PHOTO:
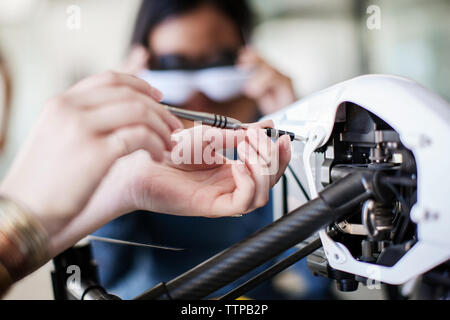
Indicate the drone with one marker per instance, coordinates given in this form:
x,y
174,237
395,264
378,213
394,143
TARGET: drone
x,y
377,211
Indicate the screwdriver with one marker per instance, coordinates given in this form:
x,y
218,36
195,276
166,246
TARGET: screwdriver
x,y
219,121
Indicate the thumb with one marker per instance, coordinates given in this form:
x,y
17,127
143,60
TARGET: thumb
x,y
242,196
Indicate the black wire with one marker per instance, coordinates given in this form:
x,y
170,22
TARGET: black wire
x,y
299,183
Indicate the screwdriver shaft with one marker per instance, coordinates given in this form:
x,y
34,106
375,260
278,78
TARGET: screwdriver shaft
x,y
223,122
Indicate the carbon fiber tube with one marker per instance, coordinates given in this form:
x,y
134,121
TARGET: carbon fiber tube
x,y
333,203
273,270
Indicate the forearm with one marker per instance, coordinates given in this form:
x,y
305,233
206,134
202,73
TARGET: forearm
x,y
113,198
26,244
107,204
78,138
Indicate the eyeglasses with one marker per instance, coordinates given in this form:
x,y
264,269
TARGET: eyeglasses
x,y
226,57
220,84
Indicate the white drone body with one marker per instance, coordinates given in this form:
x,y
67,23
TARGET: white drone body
x,y
422,120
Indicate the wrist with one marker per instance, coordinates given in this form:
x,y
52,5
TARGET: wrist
x,y
23,242
104,206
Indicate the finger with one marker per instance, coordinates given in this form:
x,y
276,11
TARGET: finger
x,y
219,139
116,79
173,122
130,139
202,137
224,139
104,95
240,201
242,197
232,138
125,95
191,153
284,150
268,151
259,172
262,124
262,144
116,116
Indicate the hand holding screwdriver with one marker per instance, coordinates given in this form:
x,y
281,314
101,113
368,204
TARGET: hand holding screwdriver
x,y
223,122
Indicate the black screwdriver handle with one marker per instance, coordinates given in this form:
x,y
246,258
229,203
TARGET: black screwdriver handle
x,y
274,133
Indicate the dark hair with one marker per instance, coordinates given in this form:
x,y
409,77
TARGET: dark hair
x,y
153,12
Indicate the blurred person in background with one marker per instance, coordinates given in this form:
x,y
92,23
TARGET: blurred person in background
x,y
196,52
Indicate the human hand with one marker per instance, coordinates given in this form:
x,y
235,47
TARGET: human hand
x,y
217,186
271,89
78,137
212,187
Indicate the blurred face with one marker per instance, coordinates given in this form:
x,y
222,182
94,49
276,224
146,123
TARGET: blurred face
x,y
200,38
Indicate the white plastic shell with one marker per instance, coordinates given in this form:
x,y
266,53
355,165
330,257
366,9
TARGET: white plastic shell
x,y
422,119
